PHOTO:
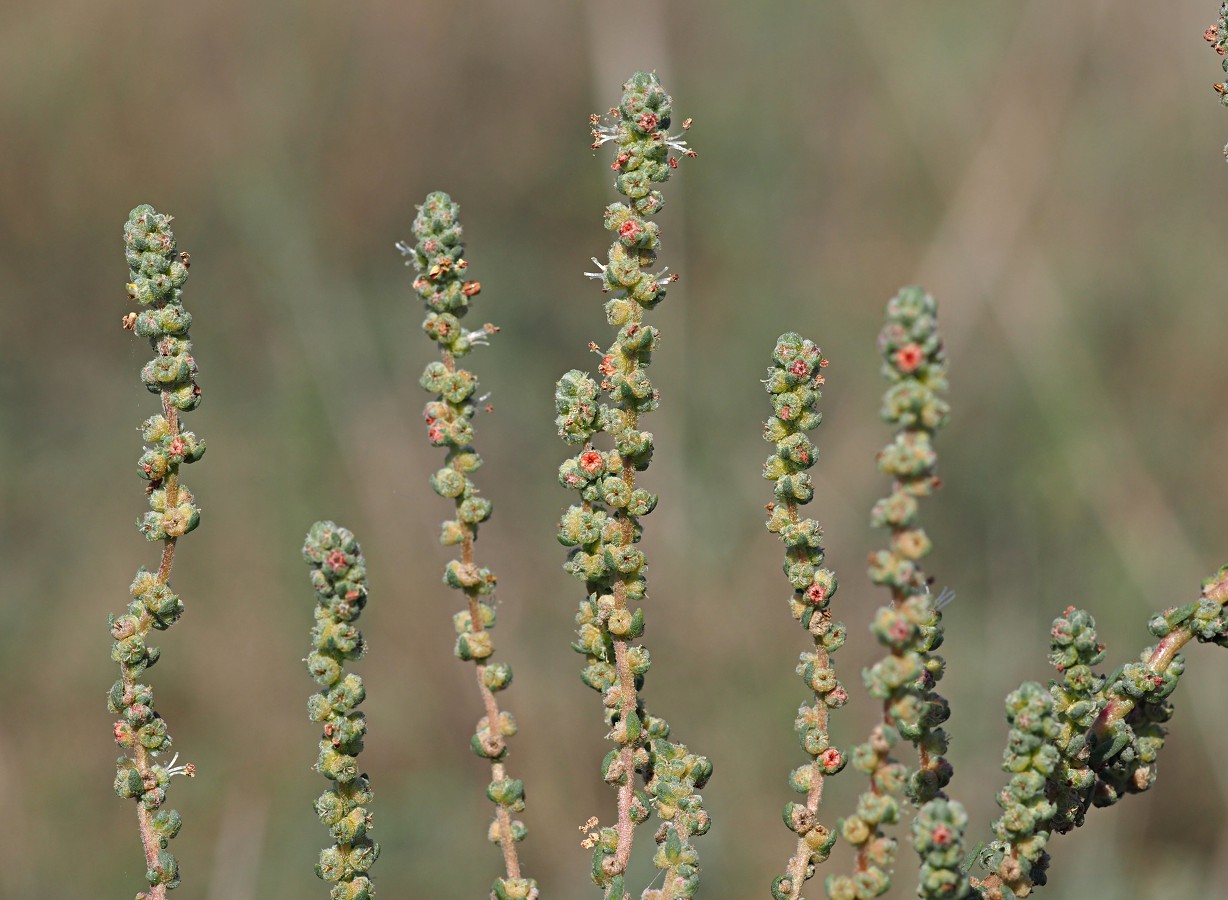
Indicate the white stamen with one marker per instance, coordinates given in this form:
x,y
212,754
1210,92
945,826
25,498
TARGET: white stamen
x,y
172,770
603,133
679,144
600,276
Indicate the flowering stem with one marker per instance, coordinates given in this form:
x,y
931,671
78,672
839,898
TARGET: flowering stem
x,y
1089,740
1159,661
441,266
157,275
793,383
604,527
339,578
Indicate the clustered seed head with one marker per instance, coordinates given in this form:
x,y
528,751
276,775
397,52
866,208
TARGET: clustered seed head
x,y
339,578
156,277
602,529
793,384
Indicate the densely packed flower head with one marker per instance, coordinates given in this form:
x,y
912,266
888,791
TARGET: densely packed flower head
x,y
157,272
793,384
442,285
339,578
603,528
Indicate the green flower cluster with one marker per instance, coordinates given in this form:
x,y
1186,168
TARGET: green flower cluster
x,y
1049,757
1018,857
938,837
914,364
1089,740
1128,732
339,578
793,383
603,528
439,259
1078,698
156,277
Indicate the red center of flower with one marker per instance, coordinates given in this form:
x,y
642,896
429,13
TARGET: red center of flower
x,y
435,433
831,757
629,229
647,121
336,560
177,446
815,594
799,368
908,357
590,462
941,836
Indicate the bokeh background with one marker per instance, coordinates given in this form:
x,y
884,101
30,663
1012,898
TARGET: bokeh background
x,y
1051,171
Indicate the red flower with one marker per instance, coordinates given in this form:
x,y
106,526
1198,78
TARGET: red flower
x,y
336,560
799,368
815,594
830,758
629,230
941,836
647,122
590,462
908,357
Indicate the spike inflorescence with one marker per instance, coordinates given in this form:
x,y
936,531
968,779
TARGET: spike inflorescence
x,y
602,530
439,260
339,577
157,273
793,383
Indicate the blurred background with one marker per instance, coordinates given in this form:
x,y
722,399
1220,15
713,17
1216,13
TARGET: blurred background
x,y
1051,172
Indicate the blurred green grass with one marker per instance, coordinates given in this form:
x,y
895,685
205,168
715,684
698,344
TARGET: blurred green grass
x,y
1052,173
